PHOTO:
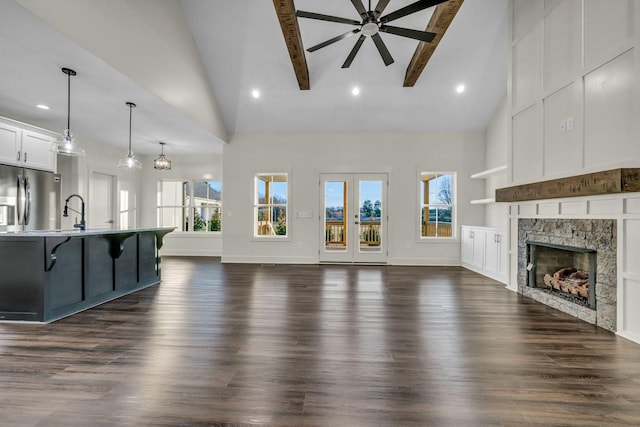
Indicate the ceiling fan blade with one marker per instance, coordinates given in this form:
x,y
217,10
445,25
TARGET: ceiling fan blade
x,y
353,52
424,36
321,17
333,40
360,8
382,48
380,7
408,10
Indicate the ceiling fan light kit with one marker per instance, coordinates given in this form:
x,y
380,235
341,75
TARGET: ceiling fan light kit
x,y
371,24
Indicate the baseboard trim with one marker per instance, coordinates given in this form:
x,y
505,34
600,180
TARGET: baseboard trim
x,y
190,252
427,262
631,336
243,259
500,279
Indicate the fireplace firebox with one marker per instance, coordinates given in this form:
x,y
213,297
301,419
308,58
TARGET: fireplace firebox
x,y
566,271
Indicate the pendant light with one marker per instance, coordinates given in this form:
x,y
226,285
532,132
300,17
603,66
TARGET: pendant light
x,y
66,145
162,163
130,162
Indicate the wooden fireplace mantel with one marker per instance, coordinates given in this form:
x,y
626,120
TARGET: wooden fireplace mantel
x,y
592,184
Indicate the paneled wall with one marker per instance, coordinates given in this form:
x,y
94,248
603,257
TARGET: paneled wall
x,y
573,93
573,99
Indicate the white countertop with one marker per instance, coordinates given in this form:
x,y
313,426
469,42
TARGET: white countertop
x,y
77,232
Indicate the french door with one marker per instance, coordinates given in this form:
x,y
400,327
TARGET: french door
x,y
354,219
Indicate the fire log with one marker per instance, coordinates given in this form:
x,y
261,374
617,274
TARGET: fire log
x,y
570,281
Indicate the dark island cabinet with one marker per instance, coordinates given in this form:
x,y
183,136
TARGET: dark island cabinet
x,y
48,275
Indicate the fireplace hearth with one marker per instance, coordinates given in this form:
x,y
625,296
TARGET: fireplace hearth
x,y
579,257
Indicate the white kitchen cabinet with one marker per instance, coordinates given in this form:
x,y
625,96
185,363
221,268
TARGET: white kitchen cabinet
x,y
10,140
36,151
23,147
483,250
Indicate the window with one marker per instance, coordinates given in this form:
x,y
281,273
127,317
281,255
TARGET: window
x,y
124,209
437,204
190,205
270,205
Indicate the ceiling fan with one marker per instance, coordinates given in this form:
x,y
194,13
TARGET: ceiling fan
x,y
371,24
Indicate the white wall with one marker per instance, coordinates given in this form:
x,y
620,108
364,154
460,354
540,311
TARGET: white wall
x,y
305,156
76,176
496,154
578,60
206,167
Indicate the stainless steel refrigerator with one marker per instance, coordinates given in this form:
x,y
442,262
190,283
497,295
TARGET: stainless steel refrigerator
x,y
29,199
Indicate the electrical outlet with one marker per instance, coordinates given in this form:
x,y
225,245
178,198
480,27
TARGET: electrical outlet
x,y
563,126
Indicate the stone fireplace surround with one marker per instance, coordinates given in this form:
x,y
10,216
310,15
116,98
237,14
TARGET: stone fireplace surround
x,y
597,234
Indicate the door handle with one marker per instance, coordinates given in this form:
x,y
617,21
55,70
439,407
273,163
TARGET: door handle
x,y
25,157
18,158
20,203
27,197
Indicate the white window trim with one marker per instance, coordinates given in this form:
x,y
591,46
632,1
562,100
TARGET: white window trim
x,y
191,198
254,206
454,209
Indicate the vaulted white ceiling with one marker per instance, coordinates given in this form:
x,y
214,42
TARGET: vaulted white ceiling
x,y
240,48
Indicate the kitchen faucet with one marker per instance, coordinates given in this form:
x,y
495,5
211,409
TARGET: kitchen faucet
x,y
65,213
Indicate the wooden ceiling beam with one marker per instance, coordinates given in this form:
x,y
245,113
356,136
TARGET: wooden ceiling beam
x,y
286,11
439,23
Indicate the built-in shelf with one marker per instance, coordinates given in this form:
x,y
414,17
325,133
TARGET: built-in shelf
x,y
483,201
489,172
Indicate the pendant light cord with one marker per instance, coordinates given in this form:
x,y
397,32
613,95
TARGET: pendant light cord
x,y
69,101
130,115
131,105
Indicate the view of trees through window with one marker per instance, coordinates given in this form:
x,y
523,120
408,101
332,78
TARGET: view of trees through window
x,y
437,204
190,205
271,205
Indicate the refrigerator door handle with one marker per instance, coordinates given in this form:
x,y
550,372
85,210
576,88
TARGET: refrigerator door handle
x,y
27,199
20,205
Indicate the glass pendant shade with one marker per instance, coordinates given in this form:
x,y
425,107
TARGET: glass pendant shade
x,y
162,163
130,162
66,145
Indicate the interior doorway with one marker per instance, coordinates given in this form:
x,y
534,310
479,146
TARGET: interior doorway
x,y
354,218
101,201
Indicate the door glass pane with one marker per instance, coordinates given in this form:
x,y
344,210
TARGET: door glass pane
x,y
370,201
335,229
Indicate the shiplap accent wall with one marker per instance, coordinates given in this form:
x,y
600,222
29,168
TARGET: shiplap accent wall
x,y
574,62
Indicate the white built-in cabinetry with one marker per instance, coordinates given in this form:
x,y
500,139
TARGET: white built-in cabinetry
x,y
502,169
484,250
24,147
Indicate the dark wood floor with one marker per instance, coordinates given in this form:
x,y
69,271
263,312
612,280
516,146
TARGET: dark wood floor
x,y
315,346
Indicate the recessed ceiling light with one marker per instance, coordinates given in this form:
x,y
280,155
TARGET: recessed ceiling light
x,y
255,93
460,88
355,91
43,107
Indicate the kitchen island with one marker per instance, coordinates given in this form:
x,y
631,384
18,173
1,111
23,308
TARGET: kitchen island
x,y
46,275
